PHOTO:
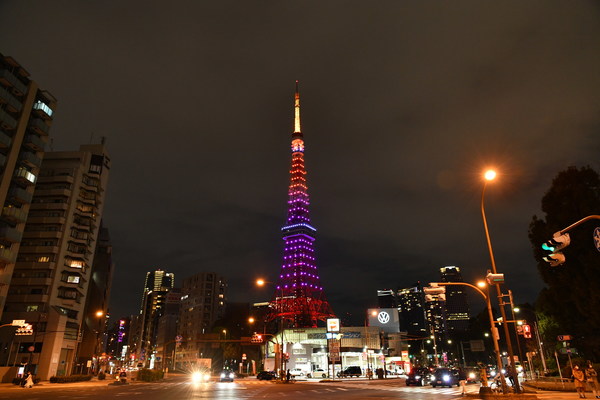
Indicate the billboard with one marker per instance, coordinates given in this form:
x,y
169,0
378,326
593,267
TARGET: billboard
x,y
385,318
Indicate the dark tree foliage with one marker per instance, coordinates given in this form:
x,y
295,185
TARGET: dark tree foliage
x,y
572,295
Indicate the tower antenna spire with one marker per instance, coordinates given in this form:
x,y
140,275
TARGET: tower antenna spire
x,y
297,110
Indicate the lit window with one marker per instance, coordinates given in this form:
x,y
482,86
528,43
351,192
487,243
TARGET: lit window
x,y
42,106
43,259
72,279
32,308
76,264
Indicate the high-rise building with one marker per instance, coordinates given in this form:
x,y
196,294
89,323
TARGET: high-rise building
x,y
156,288
166,330
96,307
203,298
52,275
457,306
299,299
26,113
386,298
412,311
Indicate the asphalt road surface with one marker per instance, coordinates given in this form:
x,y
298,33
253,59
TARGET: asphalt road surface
x,y
180,388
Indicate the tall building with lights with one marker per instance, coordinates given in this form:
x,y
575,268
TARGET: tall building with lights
x,y
412,311
156,287
457,306
299,299
55,265
26,114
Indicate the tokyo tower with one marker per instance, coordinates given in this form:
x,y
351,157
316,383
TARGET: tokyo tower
x,y
299,299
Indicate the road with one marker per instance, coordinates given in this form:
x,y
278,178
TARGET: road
x,y
179,388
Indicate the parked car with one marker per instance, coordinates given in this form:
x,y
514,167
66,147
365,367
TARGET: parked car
x,y
350,371
418,377
297,373
226,376
317,373
266,375
445,377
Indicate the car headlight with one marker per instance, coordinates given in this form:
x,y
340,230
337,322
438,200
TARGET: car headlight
x,y
503,371
223,375
417,377
492,373
231,375
432,378
196,377
206,377
446,378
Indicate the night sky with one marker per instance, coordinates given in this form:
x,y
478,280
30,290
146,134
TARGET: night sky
x,y
403,105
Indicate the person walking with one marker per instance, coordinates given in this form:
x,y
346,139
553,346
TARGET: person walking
x,y
579,379
462,380
592,378
29,380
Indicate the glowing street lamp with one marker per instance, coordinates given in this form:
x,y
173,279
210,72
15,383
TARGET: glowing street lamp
x,y
489,176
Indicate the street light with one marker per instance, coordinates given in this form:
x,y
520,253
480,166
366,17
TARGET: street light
x,y
261,282
489,176
99,314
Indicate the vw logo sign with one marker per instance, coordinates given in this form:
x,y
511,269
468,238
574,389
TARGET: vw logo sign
x,y
383,317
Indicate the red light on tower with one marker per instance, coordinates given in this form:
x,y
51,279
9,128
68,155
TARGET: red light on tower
x,y
527,331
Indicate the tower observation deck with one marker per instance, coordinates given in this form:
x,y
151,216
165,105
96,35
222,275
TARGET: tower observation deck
x,y
299,299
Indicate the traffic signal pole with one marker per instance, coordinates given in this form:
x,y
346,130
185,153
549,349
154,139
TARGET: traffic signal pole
x,y
499,293
494,332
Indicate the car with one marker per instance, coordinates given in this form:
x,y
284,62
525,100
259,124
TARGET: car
x,y
266,375
226,376
445,377
317,373
418,377
297,373
350,371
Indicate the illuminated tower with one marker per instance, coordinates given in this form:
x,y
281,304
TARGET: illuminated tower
x,y
299,299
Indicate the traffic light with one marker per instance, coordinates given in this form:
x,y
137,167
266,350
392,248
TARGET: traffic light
x,y
494,279
256,338
24,330
434,292
526,331
558,242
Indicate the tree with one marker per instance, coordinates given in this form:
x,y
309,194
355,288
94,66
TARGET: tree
x,y
572,295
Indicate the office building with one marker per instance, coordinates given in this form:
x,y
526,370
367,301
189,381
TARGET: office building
x,y
457,306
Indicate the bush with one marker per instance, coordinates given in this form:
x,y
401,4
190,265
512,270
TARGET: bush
x,y
149,375
101,376
70,379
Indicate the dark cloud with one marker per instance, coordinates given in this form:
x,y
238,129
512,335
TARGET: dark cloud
x,y
403,104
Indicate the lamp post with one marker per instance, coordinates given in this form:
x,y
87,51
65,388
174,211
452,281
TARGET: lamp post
x,y
489,176
99,315
261,282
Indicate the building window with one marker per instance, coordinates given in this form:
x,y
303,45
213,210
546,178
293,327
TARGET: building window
x,y
32,308
73,279
43,259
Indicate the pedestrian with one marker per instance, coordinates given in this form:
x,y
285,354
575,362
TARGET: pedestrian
x,y
592,378
579,379
29,380
462,380
288,375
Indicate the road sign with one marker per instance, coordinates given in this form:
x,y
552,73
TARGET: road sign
x,y
564,338
597,238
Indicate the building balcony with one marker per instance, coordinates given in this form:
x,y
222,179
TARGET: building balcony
x,y
53,192
12,103
7,121
34,142
24,177
10,234
8,79
5,140
29,298
39,249
14,215
19,195
34,265
56,179
39,126
42,234
30,159
31,281
7,256
47,220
